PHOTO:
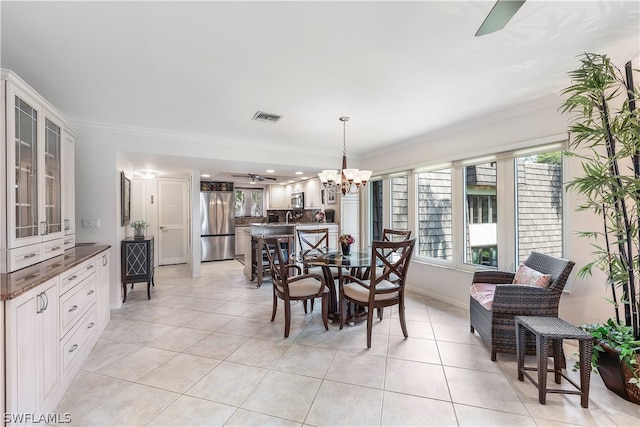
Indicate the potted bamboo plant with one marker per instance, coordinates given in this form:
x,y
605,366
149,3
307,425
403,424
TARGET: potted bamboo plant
x,y
605,136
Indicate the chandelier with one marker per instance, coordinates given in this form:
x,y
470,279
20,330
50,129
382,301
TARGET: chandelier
x,y
349,181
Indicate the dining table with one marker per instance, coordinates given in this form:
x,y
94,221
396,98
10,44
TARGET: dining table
x,y
356,263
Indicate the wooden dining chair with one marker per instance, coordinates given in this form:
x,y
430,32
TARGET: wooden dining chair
x,y
390,235
379,290
289,286
315,242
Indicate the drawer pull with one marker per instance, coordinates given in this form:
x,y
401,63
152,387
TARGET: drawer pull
x,y
91,325
55,249
74,348
90,292
74,277
89,267
74,308
30,255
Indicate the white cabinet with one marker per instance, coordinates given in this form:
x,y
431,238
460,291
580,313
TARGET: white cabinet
x,y
33,147
279,197
242,238
102,289
32,350
69,190
312,195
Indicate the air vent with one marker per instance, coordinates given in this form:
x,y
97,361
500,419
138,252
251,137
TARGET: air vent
x,y
261,116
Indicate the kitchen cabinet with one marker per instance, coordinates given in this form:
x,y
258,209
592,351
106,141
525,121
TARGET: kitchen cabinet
x,y
32,362
50,327
102,289
69,190
242,239
279,197
33,148
312,195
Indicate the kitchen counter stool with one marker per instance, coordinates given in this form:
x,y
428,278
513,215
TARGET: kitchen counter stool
x,y
553,330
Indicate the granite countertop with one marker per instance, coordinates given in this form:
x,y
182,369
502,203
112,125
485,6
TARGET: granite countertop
x,y
284,224
21,281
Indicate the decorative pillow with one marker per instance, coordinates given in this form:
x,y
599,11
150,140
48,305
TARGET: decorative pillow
x,y
483,293
529,276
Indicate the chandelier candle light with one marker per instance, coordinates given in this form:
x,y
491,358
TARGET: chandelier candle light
x,y
348,177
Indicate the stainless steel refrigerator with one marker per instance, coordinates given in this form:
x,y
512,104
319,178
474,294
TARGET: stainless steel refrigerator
x,y
217,225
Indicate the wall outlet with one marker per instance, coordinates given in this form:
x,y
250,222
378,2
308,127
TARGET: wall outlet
x,y
91,223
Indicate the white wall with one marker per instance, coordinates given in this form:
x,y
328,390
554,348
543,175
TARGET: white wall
x,y
519,127
98,169
98,163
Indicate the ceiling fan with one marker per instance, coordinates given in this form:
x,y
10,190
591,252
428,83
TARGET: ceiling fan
x,y
500,14
255,177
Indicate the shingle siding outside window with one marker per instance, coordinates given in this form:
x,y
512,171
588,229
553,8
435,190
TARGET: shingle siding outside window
x,y
539,201
434,214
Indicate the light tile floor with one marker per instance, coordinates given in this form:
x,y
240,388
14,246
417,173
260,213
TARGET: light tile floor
x,y
204,352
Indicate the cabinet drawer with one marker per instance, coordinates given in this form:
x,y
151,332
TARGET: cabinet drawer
x,y
69,241
76,275
75,344
75,304
24,256
52,248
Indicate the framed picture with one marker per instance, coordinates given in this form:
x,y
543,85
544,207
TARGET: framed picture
x,y
125,199
331,197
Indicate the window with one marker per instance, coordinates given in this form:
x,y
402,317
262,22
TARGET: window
x,y
434,214
400,203
481,222
248,201
539,204
377,225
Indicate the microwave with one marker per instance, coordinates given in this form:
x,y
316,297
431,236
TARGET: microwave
x,y
297,200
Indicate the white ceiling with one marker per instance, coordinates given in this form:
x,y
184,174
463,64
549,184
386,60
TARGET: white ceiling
x,y
400,70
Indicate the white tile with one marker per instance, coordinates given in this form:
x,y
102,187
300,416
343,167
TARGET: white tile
x,y
405,410
339,404
258,352
283,395
179,373
473,416
136,364
482,389
204,352
358,369
228,383
305,360
191,411
416,378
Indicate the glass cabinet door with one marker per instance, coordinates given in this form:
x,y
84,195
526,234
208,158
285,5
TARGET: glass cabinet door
x,y
26,170
52,177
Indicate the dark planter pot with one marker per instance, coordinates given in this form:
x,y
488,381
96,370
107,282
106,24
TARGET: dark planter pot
x,y
616,375
346,249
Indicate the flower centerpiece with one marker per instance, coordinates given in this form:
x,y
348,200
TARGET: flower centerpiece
x,y
320,216
346,240
139,226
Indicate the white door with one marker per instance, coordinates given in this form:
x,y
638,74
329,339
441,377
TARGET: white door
x,y
173,221
350,219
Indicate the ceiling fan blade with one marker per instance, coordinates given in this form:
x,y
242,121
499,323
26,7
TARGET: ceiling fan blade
x,y
269,177
500,14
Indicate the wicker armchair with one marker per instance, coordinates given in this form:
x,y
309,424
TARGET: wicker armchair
x,y
496,326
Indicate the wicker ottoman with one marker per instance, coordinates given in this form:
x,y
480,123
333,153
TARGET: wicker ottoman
x,y
553,330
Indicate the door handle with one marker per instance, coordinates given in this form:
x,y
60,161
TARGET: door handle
x,y
162,227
